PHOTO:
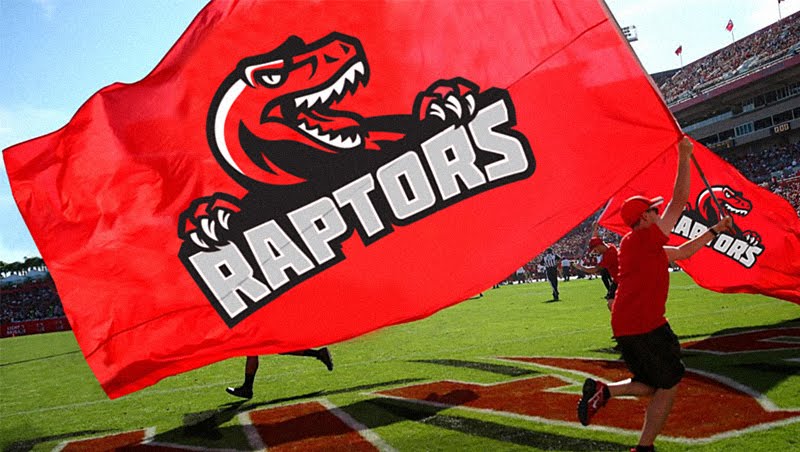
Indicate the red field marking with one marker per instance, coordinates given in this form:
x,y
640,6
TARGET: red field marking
x,y
104,443
306,426
751,341
704,407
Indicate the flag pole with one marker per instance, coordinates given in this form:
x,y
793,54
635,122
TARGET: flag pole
x,y
708,187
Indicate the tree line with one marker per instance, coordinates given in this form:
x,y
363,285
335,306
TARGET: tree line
x,y
22,268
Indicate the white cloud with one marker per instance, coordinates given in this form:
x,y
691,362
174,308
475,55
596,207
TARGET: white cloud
x,y
48,7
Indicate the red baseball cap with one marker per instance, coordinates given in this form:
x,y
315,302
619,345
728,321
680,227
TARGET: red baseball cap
x,y
635,206
594,242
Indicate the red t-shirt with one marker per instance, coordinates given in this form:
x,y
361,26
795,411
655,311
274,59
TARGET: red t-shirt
x,y
643,283
609,261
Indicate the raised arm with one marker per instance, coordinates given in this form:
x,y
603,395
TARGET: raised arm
x,y
680,193
687,249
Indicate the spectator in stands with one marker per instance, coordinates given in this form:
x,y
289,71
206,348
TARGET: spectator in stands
x,y
748,54
763,164
35,300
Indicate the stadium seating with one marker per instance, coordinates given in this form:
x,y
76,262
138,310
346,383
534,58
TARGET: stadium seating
x,y
747,55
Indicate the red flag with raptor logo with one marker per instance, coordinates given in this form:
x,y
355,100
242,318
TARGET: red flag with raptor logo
x,y
295,174
760,256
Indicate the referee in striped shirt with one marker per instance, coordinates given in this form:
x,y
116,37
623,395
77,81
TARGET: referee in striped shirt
x,y
550,261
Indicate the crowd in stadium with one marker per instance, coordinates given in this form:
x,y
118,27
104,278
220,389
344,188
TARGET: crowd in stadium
x,y
745,55
769,164
789,189
35,300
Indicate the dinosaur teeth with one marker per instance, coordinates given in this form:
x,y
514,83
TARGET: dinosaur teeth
x,y
337,141
348,81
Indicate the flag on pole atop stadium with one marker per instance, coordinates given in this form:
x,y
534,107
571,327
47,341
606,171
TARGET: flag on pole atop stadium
x,y
760,256
679,50
729,27
292,175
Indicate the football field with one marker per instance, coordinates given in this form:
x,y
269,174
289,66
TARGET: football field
x,y
497,372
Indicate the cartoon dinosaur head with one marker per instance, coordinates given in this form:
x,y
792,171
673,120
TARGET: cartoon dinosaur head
x,y
274,112
729,199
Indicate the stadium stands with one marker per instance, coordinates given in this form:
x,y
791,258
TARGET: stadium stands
x,y
32,300
747,55
768,164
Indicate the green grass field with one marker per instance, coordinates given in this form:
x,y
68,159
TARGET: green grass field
x,y
48,396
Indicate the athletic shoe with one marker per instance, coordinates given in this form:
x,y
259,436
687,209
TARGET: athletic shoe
x,y
593,399
325,357
241,391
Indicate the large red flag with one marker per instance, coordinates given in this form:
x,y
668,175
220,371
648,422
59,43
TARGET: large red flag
x,y
761,256
294,174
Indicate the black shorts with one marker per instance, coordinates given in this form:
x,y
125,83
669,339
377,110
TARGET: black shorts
x,y
654,358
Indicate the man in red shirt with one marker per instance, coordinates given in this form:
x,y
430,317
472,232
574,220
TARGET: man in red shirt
x,y
649,347
607,267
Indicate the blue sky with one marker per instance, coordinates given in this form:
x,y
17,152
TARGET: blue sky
x,y
54,54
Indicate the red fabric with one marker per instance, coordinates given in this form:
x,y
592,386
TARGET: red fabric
x,y
643,283
679,50
610,261
760,257
729,27
103,196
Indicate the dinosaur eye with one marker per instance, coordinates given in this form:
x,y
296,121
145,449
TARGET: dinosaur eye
x,y
268,74
270,78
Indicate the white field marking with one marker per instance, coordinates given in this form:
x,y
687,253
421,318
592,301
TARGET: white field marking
x,y
603,428
561,389
507,414
793,340
250,431
510,359
741,333
762,400
360,364
360,428
793,360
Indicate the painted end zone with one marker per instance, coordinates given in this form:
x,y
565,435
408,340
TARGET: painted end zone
x,y
306,426
751,341
708,408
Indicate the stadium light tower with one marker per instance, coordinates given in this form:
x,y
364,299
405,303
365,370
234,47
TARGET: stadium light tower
x,y
630,33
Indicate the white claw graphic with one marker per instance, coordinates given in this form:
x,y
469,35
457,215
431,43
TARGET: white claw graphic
x,y
208,228
470,103
436,110
453,104
222,217
198,241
